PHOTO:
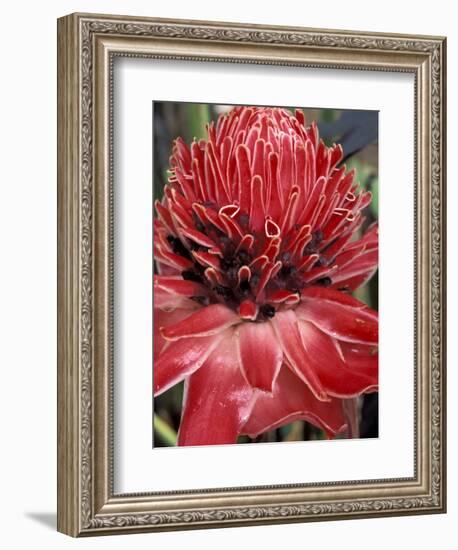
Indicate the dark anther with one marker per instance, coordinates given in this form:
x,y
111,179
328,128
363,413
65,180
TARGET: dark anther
x,y
318,235
244,219
203,300
194,246
286,257
324,281
254,280
344,288
197,223
228,248
231,274
227,263
287,270
321,262
244,257
267,311
190,275
223,291
313,245
245,287
178,247
224,240
295,282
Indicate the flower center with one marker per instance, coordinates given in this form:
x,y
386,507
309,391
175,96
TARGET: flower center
x,y
261,269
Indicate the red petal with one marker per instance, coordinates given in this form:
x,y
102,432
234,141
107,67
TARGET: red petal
x,y
286,328
232,228
215,277
257,212
180,359
248,310
197,237
244,176
165,217
170,292
217,399
322,160
286,163
329,294
283,297
205,322
259,156
339,320
275,194
260,354
182,150
172,260
222,194
322,356
359,268
292,400
198,173
268,272
300,116
336,155
174,292
271,229
289,217
362,358
246,243
164,319
207,260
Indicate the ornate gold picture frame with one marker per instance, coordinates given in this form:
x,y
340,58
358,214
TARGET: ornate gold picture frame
x,y
87,47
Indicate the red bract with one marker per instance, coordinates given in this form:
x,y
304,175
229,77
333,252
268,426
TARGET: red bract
x,y
256,253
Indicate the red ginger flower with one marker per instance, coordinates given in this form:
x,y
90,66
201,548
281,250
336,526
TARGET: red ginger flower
x,y
253,243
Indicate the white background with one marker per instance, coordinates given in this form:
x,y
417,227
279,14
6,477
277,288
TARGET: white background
x,y
28,274
136,82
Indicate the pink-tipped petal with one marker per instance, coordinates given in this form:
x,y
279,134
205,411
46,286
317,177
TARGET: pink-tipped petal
x,y
248,310
336,296
217,400
292,400
197,237
204,322
164,319
362,358
260,354
180,360
341,321
168,301
286,328
178,285
322,356
257,213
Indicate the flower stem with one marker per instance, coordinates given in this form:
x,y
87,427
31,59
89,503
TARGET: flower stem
x,y
164,431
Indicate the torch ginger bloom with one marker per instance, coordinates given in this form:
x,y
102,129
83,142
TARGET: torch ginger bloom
x,y
256,253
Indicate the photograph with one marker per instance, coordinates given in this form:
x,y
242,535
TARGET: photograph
x,y
251,273
265,287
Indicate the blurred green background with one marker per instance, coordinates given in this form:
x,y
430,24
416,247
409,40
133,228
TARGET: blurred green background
x,y
357,132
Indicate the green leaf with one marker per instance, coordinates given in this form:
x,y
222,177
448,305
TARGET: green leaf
x,y
374,202
197,117
164,431
328,115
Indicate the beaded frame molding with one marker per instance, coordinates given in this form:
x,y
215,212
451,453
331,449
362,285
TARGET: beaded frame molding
x,y
87,45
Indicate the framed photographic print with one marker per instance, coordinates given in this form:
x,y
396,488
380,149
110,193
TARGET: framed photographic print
x,y
251,274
